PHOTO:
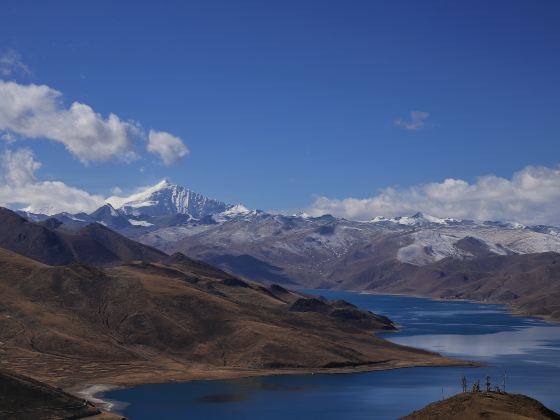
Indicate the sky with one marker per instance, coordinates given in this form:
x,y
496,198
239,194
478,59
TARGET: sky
x,y
355,108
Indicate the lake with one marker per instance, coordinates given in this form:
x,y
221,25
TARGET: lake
x,y
526,350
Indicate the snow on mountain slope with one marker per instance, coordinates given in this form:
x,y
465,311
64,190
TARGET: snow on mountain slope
x,y
326,249
139,223
239,211
174,218
418,219
165,198
47,210
433,244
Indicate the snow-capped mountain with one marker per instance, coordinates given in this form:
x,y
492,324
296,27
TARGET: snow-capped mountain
x,y
302,248
237,212
165,199
47,210
313,250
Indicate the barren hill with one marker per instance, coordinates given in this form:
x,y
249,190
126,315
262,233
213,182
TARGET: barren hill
x,y
49,243
528,283
481,405
144,322
23,398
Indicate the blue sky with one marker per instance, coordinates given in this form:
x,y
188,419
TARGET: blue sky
x,y
283,101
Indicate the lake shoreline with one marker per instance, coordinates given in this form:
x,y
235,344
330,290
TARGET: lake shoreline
x,y
507,306
95,392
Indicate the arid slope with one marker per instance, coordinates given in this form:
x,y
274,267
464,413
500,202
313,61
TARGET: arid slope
x,y
50,243
145,322
481,405
22,398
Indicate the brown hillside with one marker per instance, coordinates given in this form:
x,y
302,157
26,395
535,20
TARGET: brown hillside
x,y
481,405
93,244
150,322
528,283
23,398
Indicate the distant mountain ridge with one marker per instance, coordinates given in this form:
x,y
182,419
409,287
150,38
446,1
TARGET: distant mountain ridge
x,y
165,199
174,218
300,249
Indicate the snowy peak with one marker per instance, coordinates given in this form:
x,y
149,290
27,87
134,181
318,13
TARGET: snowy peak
x,y
140,197
48,210
418,219
238,209
237,212
165,198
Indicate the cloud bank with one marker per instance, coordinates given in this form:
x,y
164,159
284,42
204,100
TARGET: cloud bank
x,y
530,196
19,185
37,112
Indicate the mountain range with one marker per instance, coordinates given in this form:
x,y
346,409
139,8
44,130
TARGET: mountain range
x,y
330,252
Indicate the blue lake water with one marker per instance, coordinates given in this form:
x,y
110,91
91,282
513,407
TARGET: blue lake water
x,y
526,349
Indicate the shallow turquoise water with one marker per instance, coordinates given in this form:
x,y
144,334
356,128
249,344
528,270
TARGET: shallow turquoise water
x,y
526,349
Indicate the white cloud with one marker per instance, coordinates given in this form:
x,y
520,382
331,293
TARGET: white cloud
x,y
167,146
11,64
36,111
19,185
417,121
530,196
19,167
